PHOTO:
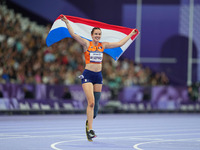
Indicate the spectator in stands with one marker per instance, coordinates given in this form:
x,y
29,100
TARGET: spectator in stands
x,y
27,58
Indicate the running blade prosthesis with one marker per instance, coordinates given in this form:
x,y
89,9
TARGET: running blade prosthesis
x,y
89,133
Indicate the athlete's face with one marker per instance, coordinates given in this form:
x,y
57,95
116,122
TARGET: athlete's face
x,y
96,36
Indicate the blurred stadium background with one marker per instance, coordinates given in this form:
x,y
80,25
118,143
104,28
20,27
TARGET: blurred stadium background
x,y
160,72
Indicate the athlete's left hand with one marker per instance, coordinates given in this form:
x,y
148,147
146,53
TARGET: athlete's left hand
x,y
134,31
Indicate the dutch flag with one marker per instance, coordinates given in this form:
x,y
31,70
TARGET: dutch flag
x,y
83,27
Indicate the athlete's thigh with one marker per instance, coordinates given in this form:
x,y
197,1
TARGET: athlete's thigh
x,y
88,90
97,87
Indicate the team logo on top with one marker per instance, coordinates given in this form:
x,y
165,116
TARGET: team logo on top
x,y
100,47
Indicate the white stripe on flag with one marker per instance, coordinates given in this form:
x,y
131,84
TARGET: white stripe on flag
x,y
85,31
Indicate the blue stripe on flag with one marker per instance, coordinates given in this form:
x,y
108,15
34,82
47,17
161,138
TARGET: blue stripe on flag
x,y
57,35
62,32
115,53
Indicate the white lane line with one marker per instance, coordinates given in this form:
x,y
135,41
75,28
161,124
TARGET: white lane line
x,y
136,146
33,128
43,136
12,135
54,144
22,127
78,135
156,131
155,135
107,138
97,128
104,133
164,135
160,135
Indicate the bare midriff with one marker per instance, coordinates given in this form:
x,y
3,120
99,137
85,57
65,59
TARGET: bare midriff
x,y
94,67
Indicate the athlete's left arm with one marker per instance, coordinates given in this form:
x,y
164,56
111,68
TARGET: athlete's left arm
x,y
108,45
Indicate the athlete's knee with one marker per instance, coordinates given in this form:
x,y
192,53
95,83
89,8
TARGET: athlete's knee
x,y
91,104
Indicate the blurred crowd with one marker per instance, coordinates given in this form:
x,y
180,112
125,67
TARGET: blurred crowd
x,y
25,58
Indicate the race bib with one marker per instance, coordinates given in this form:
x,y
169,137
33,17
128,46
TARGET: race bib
x,y
96,57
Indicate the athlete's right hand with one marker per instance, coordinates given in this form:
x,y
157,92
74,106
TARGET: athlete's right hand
x,y
63,18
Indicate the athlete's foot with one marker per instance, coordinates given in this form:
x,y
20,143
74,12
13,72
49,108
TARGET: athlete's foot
x,y
89,133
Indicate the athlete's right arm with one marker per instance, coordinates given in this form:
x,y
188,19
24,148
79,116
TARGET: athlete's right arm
x,y
82,41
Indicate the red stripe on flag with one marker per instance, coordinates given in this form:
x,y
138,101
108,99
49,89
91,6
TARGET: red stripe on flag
x,y
102,25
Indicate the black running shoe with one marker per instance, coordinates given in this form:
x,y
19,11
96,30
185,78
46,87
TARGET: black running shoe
x,y
90,134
